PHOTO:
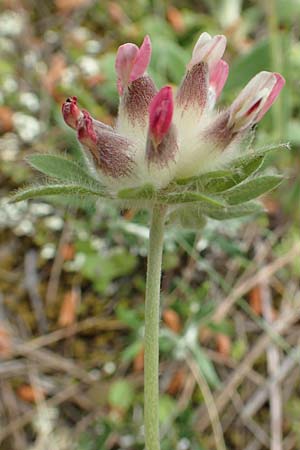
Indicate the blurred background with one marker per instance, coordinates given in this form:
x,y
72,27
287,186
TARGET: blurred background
x,y
72,274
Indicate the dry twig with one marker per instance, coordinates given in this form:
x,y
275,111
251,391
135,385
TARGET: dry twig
x,y
56,269
31,282
273,360
279,327
209,402
11,405
262,275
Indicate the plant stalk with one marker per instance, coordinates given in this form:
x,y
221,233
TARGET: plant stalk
x,y
152,315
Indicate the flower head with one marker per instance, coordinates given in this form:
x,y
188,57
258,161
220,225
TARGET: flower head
x,y
159,138
165,140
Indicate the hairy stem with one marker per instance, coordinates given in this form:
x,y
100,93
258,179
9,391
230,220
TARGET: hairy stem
x,y
151,365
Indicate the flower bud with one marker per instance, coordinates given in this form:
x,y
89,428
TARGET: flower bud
x,y
160,114
71,112
194,90
135,87
280,82
86,133
132,62
110,151
134,106
255,100
161,145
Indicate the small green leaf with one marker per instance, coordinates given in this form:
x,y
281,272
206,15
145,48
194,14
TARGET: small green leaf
x,y
206,367
188,197
215,185
188,217
52,189
251,189
63,169
196,213
238,170
131,351
167,405
239,348
232,212
145,192
246,159
121,394
208,175
246,166
221,180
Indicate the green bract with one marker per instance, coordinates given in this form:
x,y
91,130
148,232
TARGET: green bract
x,y
223,194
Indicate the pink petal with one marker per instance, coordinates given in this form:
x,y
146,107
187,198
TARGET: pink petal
x,y
161,113
215,51
125,59
203,40
280,82
132,62
208,49
142,59
218,77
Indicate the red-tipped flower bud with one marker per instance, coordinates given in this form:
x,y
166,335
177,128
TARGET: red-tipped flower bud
x,y
255,100
71,112
160,114
85,132
162,138
109,150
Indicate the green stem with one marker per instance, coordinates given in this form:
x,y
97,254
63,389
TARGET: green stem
x,y
152,314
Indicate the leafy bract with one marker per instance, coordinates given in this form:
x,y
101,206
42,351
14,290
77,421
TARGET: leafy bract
x,y
188,217
222,194
189,197
232,212
53,189
251,189
146,192
64,169
193,217
221,180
